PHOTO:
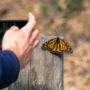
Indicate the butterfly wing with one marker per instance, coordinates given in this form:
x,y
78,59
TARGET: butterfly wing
x,y
49,45
52,45
56,46
64,46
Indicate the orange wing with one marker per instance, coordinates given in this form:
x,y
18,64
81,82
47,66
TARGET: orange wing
x,y
49,45
56,46
64,46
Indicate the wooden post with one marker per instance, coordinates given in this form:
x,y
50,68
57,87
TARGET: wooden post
x,y
44,72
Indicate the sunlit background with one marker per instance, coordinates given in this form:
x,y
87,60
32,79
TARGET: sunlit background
x,y
67,18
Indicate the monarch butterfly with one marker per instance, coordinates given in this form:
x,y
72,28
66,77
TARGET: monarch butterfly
x,y
56,46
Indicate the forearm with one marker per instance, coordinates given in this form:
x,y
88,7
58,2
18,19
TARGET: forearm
x,y
9,68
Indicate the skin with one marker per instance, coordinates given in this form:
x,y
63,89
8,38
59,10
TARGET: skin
x,y
22,41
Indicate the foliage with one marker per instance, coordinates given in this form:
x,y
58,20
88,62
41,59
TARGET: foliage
x,y
52,5
44,8
74,4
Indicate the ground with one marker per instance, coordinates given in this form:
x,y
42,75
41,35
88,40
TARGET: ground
x,y
54,19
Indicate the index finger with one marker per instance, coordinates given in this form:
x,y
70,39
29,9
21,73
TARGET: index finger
x,y
30,24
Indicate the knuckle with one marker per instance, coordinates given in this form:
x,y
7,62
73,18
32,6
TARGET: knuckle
x,y
31,41
14,27
37,41
37,31
26,31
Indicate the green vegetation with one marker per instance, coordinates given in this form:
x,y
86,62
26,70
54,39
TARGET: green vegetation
x,y
44,8
74,4
52,5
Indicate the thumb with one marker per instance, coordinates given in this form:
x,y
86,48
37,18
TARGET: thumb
x,y
30,24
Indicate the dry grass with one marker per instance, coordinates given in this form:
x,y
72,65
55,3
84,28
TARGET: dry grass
x,y
73,26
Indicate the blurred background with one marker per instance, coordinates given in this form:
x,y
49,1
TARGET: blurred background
x,y
67,18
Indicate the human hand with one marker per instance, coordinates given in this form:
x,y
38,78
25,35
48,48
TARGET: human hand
x,y
22,41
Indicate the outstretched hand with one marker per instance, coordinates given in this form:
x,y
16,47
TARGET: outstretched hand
x,y
22,41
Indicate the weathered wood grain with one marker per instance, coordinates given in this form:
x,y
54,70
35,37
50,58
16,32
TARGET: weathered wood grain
x,y
43,72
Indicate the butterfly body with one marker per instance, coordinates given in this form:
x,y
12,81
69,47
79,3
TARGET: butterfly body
x,y
57,46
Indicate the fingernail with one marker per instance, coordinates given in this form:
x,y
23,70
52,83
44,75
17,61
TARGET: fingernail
x,y
30,13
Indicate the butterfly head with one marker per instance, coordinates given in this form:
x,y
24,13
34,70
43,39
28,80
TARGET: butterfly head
x,y
44,46
69,49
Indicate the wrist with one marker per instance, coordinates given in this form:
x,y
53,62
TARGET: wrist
x,y
16,53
